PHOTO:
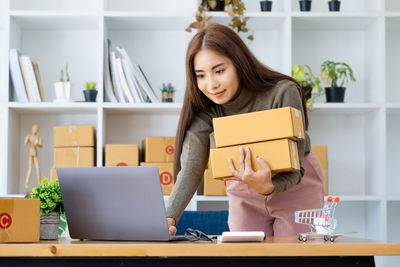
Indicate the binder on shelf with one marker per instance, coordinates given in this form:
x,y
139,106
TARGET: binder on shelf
x,y
38,79
116,81
16,76
124,83
28,81
131,81
109,90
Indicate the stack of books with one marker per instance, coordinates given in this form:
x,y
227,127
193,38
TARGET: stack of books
x,y
25,78
124,80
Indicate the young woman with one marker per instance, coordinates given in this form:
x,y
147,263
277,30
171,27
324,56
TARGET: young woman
x,y
224,78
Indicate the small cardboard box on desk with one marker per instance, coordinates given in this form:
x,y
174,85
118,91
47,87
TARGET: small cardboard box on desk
x,y
269,134
19,220
159,152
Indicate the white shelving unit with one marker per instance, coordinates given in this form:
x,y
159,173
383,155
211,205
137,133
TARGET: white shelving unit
x,y
361,134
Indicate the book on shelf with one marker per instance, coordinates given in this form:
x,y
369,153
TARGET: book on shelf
x,y
16,76
29,79
38,79
115,79
124,83
109,89
131,81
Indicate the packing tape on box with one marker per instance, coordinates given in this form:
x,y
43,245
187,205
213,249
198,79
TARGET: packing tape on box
x,y
297,114
77,156
294,155
71,129
6,220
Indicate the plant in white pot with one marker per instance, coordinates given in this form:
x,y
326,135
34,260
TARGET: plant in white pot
x,y
51,207
336,75
63,88
67,84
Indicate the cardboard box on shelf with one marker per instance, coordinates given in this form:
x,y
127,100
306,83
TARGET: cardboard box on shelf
x,y
258,126
74,157
281,155
322,155
213,187
53,174
19,220
158,149
122,155
74,136
166,170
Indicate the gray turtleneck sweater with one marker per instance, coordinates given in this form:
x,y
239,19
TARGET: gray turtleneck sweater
x,y
196,145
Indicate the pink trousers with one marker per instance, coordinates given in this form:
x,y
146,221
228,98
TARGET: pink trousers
x,y
274,214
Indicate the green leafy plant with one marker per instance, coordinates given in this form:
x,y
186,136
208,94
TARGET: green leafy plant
x,y
90,85
234,8
49,195
336,74
66,72
167,88
62,76
309,82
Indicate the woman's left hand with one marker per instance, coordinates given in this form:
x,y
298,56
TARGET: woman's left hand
x,y
260,181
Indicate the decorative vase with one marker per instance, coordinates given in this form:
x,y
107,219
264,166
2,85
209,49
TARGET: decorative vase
x,y
334,5
266,5
49,225
90,95
335,94
167,97
305,5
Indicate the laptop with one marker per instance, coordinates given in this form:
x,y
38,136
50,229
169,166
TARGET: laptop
x,y
114,203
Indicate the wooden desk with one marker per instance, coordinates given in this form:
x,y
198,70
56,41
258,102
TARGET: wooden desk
x,y
280,249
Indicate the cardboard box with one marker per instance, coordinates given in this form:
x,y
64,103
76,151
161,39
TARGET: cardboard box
x,y
281,155
73,157
322,154
19,220
258,126
166,171
53,174
122,155
73,136
158,149
213,187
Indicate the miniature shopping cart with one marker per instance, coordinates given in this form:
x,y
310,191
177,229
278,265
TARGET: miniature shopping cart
x,y
321,221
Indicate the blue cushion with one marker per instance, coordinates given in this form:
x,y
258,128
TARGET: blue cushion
x,y
209,222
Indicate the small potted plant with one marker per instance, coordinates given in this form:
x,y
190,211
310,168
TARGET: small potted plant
x,y
67,84
167,93
63,88
90,92
334,5
336,74
310,83
305,5
51,207
266,5
234,8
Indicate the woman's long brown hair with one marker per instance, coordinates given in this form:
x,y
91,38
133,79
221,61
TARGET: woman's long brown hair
x,y
253,76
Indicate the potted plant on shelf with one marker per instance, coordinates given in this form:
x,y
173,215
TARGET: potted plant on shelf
x,y
51,207
67,84
90,93
63,88
234,8
336,74
167,92
266,5
334,5
305,5
310,83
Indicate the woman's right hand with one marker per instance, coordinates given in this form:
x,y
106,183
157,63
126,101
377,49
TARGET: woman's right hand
x,y
171,226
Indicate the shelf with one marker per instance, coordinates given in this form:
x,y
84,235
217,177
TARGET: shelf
x,y
142,21
143,108
55,6
393,198
53,108
333,22
354,6
393,23
344,108
55,21
392,14
169,6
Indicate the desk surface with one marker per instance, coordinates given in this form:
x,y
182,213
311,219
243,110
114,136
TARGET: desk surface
x,y
272,246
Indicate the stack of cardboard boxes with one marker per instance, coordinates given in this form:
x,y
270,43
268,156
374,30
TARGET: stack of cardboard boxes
x,y
159,152
269,134
74,146
212,187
